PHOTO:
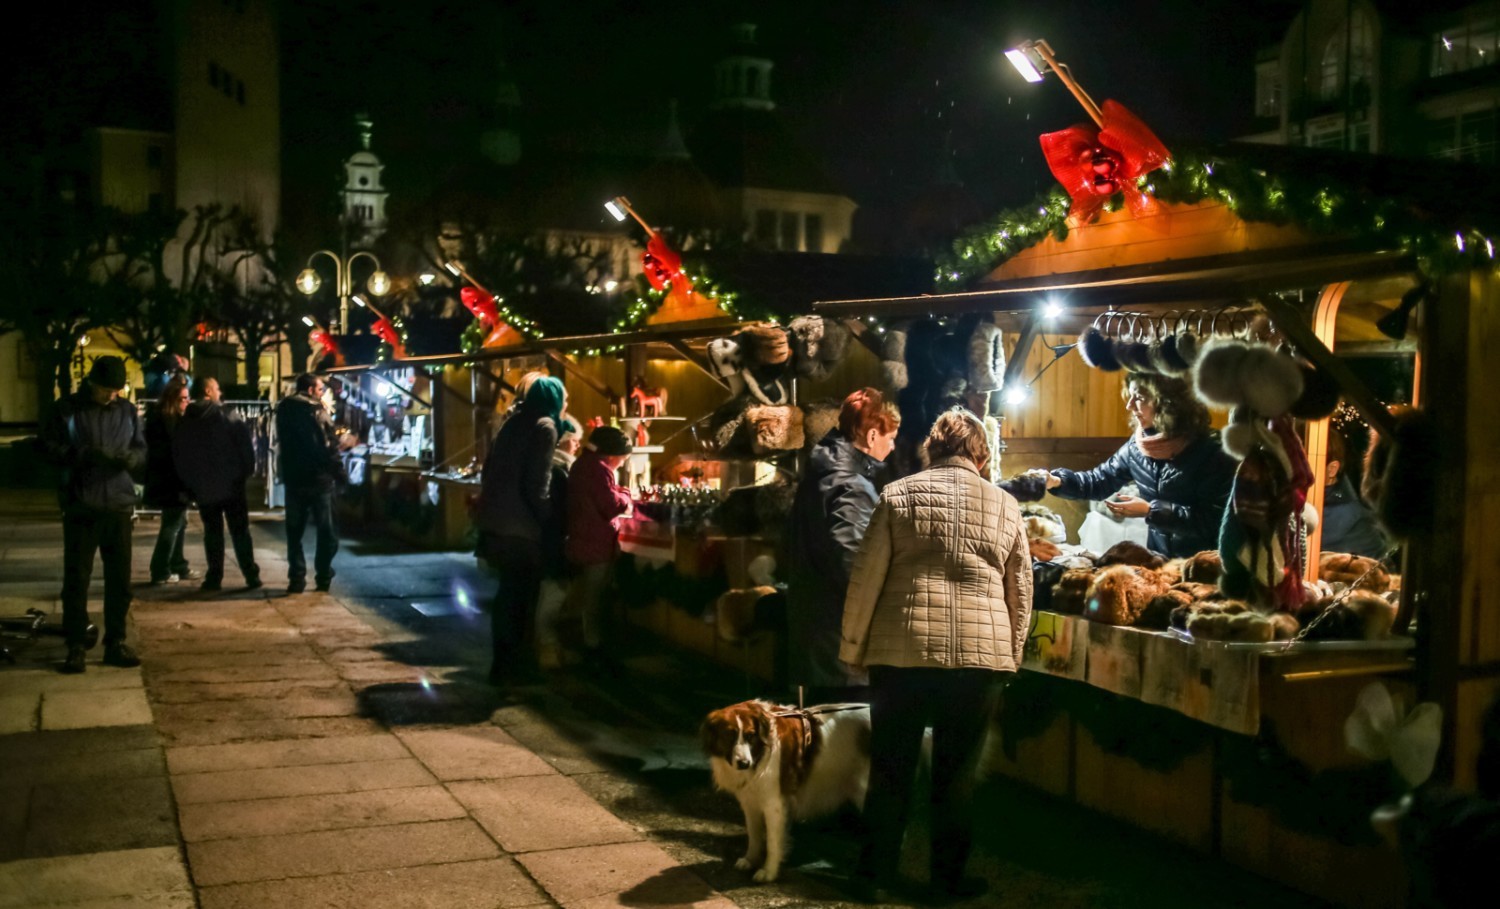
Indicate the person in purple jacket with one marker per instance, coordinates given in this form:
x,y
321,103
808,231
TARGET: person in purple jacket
x,y
596,503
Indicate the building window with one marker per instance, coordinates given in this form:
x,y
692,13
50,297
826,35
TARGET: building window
x,y
791,224
155,156
1348,58
1268,91
1471,45
765,227
1473,136
812,232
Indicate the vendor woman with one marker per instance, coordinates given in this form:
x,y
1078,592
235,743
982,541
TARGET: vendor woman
x,y
1174,460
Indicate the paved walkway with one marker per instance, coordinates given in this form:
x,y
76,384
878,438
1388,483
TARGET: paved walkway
x,y
272,751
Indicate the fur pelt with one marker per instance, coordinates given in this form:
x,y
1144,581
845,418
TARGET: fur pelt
x,y
1400,473
1127,552
765,344
818,345
1070,593
1097,350
1157,616
893,360
806,335
774,428
1167,359
992,436
1361,616
1027,487
818,419
734,612
1188,348
1043,524
1135,356
1230,620
1205,567
1231,373
727,361
1342,568
1120,593
986,358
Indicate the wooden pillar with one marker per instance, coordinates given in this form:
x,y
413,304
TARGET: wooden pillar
x,y
1325,324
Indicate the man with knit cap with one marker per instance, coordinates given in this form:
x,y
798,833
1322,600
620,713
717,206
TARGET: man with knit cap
x,y
96,437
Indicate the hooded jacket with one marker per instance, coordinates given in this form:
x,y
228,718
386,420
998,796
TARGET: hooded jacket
x,y
595,503
97,446
308,455
213,452
943,578
832,508
1188,493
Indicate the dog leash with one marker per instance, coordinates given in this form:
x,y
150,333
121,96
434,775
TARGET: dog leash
x,y
807,717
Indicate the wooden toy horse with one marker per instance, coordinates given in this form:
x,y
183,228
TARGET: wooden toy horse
x,y
648,402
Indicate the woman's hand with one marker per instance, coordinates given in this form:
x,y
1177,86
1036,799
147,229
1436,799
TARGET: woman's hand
x,y
1128,506
1052,482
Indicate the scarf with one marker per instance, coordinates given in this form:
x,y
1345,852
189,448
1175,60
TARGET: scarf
x,y
1158,447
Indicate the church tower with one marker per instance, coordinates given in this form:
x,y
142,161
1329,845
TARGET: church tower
x,y
364,197
742,79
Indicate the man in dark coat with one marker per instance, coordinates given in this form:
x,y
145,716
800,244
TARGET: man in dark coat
x,y
833,504
214,457
97,439
310,468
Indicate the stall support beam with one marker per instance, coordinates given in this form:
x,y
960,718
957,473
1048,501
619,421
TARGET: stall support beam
x,y
570,366
697,359
861,331
1030,329
1291,323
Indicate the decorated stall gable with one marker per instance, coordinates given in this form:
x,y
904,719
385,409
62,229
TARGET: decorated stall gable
x,y
1422,212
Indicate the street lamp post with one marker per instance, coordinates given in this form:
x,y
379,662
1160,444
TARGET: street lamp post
x,y
378,283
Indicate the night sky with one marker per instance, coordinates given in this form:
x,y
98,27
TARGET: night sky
x,y
879,91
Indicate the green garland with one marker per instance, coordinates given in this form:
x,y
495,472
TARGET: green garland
x,y
1258,770
1310,200
648,300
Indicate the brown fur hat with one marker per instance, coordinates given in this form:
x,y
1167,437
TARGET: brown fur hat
x,y
1242,626
1203,568
1026,487
818,419
774,428
1157,616
1071,591
1120,594
1127,552
1399,474
1043,523
1347,569
1360,616
765,344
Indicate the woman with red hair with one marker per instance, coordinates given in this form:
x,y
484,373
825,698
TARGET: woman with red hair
x,y
834,502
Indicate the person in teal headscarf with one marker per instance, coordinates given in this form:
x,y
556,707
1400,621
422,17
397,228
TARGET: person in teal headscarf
x,y
515,505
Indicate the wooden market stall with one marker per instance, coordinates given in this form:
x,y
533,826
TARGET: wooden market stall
x,y
1238,749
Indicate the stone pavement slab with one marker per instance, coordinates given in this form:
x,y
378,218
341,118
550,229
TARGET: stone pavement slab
x,y
472,753
294,706
489,884
303,671
306,813
317,779
169,692
133,874
20,713
84,709
285,753
196,731
266,858
622,875
527,814
74,818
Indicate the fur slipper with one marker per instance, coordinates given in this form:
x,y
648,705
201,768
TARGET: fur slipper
x,y
986,358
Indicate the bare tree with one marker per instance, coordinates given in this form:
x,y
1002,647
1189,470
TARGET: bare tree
x,y
251,293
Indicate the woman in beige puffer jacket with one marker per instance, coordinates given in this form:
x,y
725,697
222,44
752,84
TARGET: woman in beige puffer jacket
x,y
938,610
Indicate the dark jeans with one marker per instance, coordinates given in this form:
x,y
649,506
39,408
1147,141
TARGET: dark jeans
x,y
237,512
518,563
300,505
957,704
84,533
168,558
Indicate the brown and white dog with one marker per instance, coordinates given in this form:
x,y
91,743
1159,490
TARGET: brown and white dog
x,y
786,764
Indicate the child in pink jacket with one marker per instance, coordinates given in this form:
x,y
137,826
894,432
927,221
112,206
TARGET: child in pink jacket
x,y
596,503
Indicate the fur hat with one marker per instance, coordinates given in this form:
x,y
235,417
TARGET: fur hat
x,y
765,384
1188,348
1135,356
1043,524
1157,616
893,360
1120,593
1071,591
986,358
1097,350
1399,474
1166,358
818,419
774,428
765,344
1320,394
609,441
1026,487
1342,568
1360,616
1230,620
1127,552
1231,373
817,345
1203,568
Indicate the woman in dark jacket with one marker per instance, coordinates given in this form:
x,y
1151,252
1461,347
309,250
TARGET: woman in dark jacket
x,y
514,507
834,501
1183,474
164,488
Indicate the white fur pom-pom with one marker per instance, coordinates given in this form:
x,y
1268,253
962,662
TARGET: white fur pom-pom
x,y
1239,437
1270,383
1216,375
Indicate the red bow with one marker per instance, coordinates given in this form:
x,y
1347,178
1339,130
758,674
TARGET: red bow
x,y
1094,164
386,331
481,304
325,340
661,264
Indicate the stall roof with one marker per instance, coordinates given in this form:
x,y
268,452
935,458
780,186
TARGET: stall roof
x,y
1205,280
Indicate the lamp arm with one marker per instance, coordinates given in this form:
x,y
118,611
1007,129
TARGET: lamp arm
x,y
1066,75
338,267
625,204
367,254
